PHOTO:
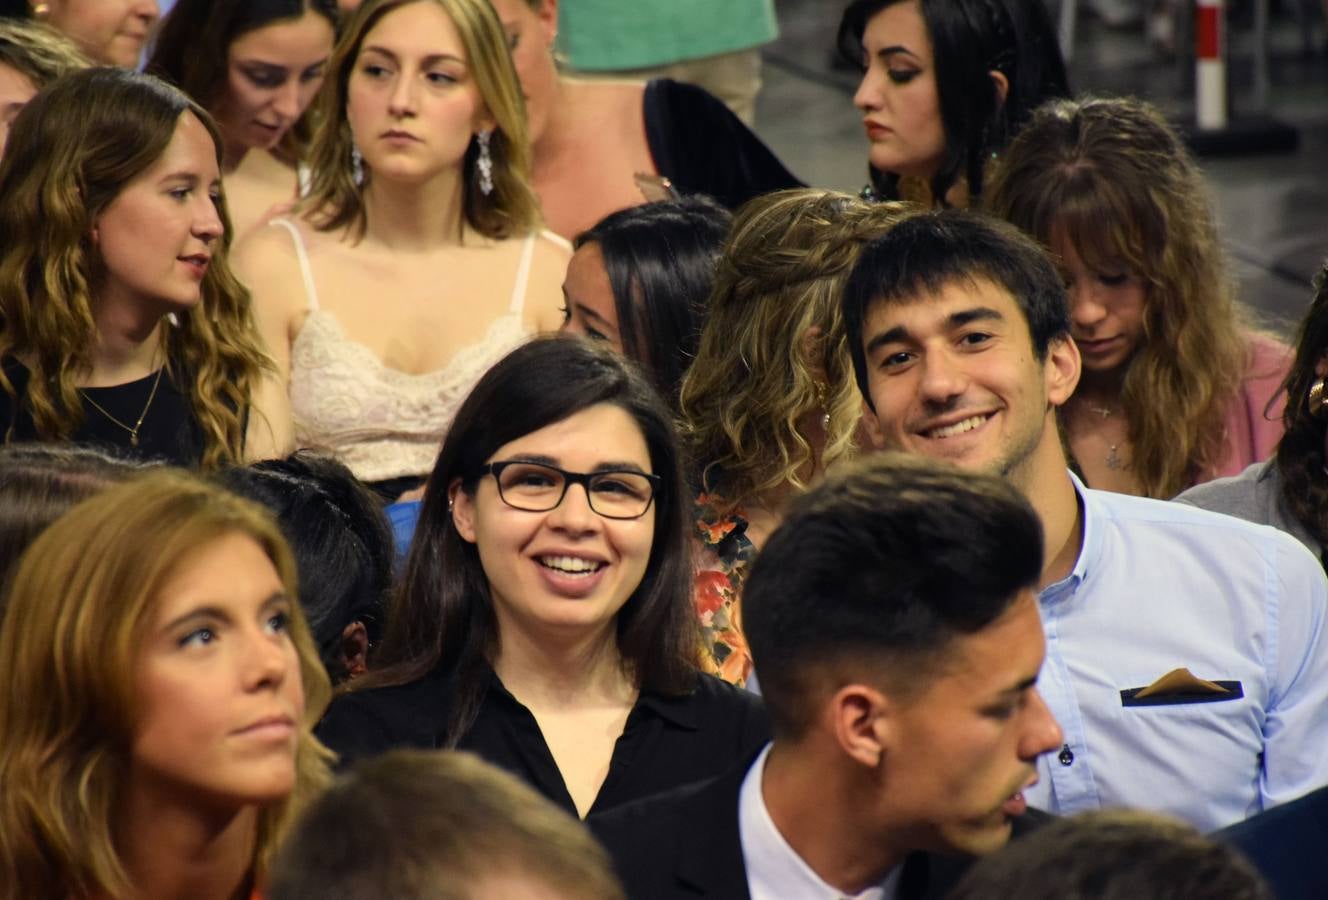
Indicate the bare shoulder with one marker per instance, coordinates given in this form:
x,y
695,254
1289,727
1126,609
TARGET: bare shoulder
x,y
544,291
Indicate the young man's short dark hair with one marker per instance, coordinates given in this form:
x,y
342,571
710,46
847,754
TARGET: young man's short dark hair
x,y
897,555
929,250
1114,855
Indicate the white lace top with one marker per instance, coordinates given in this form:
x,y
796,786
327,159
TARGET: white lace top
x,y
381,422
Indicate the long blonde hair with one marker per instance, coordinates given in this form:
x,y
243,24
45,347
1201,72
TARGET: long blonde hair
x,y
72,150
79,607
510,209
753,382
1116,180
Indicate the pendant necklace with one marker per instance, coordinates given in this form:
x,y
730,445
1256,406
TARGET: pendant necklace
x,y
133,432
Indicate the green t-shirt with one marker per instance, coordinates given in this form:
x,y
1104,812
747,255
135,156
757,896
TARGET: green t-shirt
x,y
607,35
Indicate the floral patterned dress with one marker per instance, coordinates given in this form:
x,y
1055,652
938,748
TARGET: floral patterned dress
x,y
724,556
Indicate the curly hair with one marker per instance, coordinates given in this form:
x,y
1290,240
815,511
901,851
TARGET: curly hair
x,y
39,52
754,381
71,152
511,208
1112,177
79,610
1300,454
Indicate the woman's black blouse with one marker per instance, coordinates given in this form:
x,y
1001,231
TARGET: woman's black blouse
x,y
667,741
170,431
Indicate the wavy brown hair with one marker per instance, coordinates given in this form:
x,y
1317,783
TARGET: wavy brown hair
x,y
510,209
79,609
71,152
1301,453
1118,182
753,383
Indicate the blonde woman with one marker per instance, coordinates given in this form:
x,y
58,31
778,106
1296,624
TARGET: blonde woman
x,y
417,261
120,321
769,402
1176,388
158,688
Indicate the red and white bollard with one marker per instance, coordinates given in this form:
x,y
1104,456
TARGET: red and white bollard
x,y
1210,75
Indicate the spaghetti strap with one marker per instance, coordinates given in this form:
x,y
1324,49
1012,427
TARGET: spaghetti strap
x,y
303,256
522,276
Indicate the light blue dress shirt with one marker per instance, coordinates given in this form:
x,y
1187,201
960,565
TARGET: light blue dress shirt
x,y
1158,586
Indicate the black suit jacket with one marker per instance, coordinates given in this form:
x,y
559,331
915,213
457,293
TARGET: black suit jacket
x,y
1286,844
685,843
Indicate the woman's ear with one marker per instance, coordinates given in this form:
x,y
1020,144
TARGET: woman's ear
x,y
461,506
1002,85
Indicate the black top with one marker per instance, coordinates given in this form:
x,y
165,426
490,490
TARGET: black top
x,y
667,741
686,843
703,148
170,431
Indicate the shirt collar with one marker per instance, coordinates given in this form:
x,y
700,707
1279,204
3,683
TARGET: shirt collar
x,y
774,869
1090,544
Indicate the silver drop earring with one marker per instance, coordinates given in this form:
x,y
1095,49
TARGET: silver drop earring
x,y
356,166
484,164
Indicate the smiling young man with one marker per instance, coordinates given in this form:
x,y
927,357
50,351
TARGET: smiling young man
x,y
1186,657
898,649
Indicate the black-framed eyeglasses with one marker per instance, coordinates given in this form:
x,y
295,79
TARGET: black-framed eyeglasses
x,y
535,487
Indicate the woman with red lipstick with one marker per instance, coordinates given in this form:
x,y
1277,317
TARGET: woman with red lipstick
x,y
256,66
159,684
946,83
417,260
120,321
1176,388
545,621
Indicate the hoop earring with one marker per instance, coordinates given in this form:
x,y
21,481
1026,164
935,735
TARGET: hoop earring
x,y
484,163
356,166
1316,400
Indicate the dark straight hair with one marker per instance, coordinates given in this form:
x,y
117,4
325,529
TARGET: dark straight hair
x,y
442,617
660,258
929,250
883,565
970,39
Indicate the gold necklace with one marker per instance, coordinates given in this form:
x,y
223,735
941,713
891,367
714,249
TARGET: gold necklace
x,y
133,432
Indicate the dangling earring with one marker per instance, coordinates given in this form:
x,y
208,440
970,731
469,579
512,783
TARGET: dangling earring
x,y
40,10
484,163
1316,400
356,166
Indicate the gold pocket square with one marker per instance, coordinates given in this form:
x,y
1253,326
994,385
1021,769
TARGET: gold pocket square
x,y
1181,681
1180,686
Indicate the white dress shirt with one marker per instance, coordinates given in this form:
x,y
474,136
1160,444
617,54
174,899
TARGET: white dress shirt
x,y
774,869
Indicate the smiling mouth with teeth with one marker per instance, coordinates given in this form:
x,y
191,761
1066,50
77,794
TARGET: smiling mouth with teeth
x,y
958,427
571,565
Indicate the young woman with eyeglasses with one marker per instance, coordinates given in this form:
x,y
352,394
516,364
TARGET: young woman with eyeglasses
x,y
545,621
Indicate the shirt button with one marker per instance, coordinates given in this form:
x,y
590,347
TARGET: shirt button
x,y
1066,755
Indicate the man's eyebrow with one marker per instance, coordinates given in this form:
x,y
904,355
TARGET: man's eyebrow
x,y
954,320
1021,686
977,314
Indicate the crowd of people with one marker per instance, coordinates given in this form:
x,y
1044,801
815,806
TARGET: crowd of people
x,y
444,457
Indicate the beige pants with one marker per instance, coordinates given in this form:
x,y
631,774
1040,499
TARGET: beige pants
x,y
734,78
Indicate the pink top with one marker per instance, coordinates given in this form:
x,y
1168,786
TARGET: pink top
x,y
1253,426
